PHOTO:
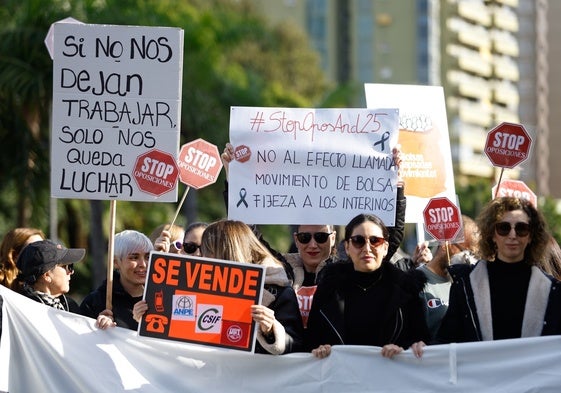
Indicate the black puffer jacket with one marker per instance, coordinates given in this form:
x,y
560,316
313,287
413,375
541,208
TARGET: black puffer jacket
x,y
402,320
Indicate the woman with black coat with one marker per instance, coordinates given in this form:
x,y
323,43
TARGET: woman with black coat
x,y
505,295
366,301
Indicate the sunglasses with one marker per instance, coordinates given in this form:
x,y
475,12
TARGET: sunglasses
x,y
319,237
503,228
69,268
177,244
191,248
359,241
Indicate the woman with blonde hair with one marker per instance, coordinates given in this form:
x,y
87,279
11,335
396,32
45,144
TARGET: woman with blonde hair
x,y
278,316
13,243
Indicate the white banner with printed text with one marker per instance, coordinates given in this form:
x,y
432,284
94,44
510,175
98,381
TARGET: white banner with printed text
x,y
43,349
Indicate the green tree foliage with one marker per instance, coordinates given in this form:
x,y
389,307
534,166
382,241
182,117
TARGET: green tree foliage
x,y
232,57
550,209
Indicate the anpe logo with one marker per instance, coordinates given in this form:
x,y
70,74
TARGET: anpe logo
x,y
184,307
209,319
234,333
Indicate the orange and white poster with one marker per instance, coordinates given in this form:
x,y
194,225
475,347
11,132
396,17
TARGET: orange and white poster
x,y
201,301
425,144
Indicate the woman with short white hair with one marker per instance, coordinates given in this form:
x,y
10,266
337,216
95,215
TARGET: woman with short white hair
x,y
131,255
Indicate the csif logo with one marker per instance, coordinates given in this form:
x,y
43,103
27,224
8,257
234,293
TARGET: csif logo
x,y
209,318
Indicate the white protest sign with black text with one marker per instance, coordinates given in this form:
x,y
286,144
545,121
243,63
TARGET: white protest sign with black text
x,y
116,96
312,166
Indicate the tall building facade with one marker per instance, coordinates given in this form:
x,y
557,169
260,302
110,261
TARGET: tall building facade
x,y
493,58
479,71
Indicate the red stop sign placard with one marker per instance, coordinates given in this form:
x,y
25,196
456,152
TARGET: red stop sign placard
x,y
517,189
507,145
199,163
442,219
155,172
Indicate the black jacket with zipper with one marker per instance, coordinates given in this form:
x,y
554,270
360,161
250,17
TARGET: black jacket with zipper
x,y
402,318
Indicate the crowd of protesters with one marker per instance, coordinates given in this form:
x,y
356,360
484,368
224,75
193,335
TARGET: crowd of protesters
x,y
499,281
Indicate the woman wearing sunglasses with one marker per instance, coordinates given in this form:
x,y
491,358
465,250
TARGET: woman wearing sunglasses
x,y
168,239
367,301
187,242
505,295
316,243
46,269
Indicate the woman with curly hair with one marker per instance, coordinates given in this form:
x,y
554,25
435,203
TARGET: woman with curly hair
x,y
506,294
14,241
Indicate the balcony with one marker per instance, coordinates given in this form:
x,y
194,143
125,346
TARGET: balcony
x,y
473,137
502,114
471,112
505,18
506,93
505,43
509,3
469,34
505,68
470,60
470,86
475,11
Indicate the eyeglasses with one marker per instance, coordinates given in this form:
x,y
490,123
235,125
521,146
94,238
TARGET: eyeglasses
x,y
319,237
69,268
190,247
359,241
503,228
177,244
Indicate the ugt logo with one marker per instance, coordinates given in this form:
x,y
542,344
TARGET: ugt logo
x,y
209,318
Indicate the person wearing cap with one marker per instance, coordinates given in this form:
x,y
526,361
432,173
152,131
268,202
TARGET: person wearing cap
x,y
45,270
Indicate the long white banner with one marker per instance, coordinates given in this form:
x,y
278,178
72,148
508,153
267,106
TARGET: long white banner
x,y
46,350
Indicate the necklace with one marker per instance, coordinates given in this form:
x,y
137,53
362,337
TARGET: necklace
x,y
366,288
